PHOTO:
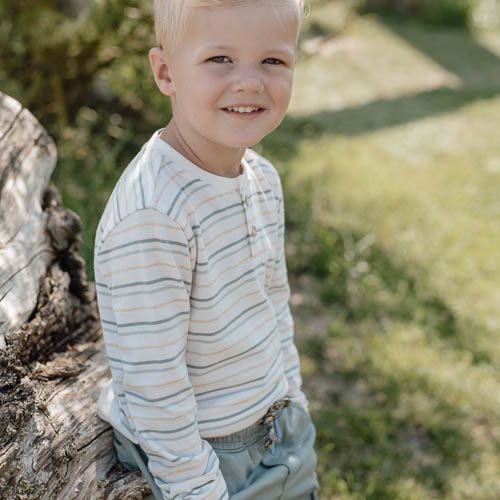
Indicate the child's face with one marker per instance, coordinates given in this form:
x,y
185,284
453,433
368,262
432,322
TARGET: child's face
x,y
232,56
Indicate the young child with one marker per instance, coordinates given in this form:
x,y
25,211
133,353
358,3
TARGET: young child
x,y
205,397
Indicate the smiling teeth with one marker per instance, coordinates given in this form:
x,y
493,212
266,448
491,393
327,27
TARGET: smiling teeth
x,y
243,109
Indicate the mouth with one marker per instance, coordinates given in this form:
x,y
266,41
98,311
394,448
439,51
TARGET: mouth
x,y
243,111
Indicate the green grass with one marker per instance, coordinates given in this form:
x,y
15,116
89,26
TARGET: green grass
x,y
390,161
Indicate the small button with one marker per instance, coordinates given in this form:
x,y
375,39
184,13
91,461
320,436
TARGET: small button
x,y
254,231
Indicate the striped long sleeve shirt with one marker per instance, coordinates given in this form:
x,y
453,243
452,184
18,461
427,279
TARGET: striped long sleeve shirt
x,y
193,298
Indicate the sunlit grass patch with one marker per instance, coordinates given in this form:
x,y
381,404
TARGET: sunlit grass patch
x,y
392,207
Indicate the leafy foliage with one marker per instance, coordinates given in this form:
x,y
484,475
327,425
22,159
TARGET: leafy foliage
x,y
435,12
57,65
87,79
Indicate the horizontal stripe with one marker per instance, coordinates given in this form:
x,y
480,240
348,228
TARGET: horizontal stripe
x,y
169,431
142,283
138,293
242,353
229,323
193,298
155,400
133,253
141,242
150,362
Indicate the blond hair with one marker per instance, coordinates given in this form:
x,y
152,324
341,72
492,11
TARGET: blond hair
x,y
171,16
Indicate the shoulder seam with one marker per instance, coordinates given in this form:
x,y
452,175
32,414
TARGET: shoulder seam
x,y
117,224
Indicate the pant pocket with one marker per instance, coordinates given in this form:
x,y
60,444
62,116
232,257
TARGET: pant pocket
x,y
267,482
296,453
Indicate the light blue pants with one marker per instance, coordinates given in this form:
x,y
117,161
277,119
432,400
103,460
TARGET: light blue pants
x,y
251,472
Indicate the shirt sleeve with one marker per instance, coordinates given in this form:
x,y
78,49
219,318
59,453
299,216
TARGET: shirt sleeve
x,y
146,264
279,293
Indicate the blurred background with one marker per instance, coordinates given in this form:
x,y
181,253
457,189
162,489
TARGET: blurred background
x,y
390,160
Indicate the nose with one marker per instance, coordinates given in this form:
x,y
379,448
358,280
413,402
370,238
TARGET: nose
x,y
247,80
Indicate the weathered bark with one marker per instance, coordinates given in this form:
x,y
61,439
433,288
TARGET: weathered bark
x,y
52,364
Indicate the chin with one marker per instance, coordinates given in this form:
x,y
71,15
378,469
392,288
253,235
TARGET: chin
x,y
245,142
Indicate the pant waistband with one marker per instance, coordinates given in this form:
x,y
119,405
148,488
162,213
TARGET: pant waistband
x,y
253,433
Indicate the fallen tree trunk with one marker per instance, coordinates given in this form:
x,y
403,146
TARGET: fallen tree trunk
x,y
52,364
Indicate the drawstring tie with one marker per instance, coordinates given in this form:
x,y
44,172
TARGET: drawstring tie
x,y
271,421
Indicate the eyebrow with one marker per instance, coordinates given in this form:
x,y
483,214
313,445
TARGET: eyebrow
x,y
224,48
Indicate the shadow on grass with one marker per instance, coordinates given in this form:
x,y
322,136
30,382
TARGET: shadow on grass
x,y
285,142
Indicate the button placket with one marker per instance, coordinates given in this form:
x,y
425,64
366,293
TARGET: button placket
x,y
253,233
249,215
245,201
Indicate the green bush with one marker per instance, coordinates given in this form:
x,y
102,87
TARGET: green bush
x,y
87,79
456,13
55,65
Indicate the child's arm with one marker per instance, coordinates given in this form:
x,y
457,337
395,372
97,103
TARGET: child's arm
x,y
279,293
145,266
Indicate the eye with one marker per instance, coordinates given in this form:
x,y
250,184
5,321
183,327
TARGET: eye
x,y
273,61
219,59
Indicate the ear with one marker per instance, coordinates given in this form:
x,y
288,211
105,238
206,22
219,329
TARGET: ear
x,y
161,71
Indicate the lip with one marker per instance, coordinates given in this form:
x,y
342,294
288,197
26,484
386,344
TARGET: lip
x,y
243,106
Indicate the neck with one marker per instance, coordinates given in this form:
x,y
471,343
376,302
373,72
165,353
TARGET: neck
x,y
225,162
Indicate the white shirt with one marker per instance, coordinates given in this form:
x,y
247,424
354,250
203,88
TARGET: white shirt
x,y
193,297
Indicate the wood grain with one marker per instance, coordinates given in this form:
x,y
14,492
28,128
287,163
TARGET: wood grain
x,y
53,445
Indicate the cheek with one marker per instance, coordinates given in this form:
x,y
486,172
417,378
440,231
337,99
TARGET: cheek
x,y
201,92
282,90
193,101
